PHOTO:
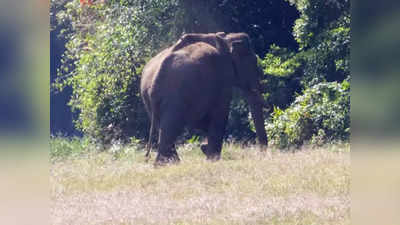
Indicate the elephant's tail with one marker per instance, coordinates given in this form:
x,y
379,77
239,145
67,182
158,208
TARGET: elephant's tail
x,y
150,136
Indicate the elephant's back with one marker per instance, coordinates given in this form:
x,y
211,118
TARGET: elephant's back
x,y
191,67
193,60
198,52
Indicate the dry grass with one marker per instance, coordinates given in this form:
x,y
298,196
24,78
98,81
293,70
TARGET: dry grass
x,y
246,187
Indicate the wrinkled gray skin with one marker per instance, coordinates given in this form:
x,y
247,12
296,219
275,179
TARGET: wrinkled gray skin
x,y
190,84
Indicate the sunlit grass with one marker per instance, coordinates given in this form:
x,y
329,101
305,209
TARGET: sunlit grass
x,y
308,186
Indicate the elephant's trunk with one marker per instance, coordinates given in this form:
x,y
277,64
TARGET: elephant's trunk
x,y
255,102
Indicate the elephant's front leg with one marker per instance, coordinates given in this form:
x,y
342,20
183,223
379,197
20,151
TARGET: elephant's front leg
x,y
215,138
216,133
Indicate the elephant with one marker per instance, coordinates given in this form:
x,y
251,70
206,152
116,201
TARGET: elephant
x,y
190,85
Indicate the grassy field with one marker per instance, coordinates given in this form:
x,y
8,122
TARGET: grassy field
x,y
309,186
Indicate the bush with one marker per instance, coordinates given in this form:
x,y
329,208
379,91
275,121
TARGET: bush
x,y
323,34
281,78
319,69
107,46
320,115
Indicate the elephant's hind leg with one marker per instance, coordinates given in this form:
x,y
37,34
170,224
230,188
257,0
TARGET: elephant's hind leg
x,y
171,127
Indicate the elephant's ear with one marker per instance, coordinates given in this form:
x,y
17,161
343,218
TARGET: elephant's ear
x,y
221,34
221,45
241,48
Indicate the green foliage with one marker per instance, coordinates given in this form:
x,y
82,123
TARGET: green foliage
x,y
323,35
320,69
329,58
108,44
281,79
321,114
315,17
194,139
62,148
280,62
239,125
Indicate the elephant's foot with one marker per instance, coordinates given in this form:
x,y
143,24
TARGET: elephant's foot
x,y
163,160
212,156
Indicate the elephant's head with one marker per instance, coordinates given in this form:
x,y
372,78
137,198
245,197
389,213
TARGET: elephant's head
x,y
247,77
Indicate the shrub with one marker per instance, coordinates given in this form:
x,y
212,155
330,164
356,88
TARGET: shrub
x,y
107,46
321,114
323,34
